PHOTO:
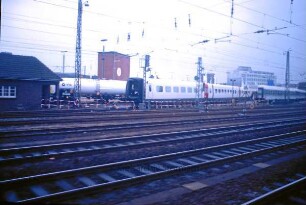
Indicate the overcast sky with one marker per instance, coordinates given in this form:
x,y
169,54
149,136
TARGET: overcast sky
x,y
169,30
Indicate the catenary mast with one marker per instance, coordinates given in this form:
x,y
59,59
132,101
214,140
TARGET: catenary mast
x,y
78,50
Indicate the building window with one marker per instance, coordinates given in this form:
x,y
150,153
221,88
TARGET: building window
x,y
7,91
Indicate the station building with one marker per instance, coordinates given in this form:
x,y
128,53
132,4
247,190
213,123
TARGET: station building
x,y
113,66
24,82
247,76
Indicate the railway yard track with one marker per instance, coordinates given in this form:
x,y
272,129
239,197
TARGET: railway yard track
x,y
46,130
176,157
21,154
58,184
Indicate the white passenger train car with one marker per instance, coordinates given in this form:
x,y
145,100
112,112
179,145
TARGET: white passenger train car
x,y
271,93
160,89
217,91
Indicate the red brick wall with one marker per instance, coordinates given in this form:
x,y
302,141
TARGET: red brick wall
x,y
116,66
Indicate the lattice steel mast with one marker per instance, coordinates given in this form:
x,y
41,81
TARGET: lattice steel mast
x,y
287,76
78,55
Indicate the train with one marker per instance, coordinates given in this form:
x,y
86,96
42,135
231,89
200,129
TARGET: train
x,y
162,90
171,90
93,88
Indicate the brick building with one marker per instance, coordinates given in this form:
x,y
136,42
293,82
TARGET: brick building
x,y
113,66
24,82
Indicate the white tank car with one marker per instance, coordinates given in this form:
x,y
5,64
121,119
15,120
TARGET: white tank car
x,y
112,86
90,87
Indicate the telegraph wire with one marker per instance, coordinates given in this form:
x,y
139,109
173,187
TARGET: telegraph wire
x,y
179,31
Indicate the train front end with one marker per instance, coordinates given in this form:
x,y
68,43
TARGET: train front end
x,y
134,90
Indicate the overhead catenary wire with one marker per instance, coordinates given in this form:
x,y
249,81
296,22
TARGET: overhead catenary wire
x,y
183,31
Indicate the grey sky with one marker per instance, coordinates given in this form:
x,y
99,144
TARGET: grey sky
x,y
43,28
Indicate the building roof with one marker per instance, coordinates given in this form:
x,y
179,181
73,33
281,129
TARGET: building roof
x,y
113,53
18,67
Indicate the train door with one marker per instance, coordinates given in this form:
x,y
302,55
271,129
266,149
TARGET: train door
x,y
205,90
149,91
260,93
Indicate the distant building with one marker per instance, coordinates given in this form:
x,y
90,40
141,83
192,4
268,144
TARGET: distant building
x,y
113,66
210,78
24,82
247,76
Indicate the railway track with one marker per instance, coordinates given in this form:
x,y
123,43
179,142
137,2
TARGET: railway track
x,y
69,117
294,192
45,131
68,183
34,153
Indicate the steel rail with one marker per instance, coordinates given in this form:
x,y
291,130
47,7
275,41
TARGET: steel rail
x,y
46,187
40,152
72,112
43,132
268,198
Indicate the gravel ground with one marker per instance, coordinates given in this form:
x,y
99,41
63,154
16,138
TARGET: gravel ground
x,y
230,192
247,187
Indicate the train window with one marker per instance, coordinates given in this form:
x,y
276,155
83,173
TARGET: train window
x,y
150,88
168,89
215,90
159,89
189,90
183,90
175,89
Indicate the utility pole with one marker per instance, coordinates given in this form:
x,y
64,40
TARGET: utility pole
x,y
287,76
233,81
199,78
63,60
78,52
146,68
103,58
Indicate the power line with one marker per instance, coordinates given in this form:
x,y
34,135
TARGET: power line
x,y
216,12
269,15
